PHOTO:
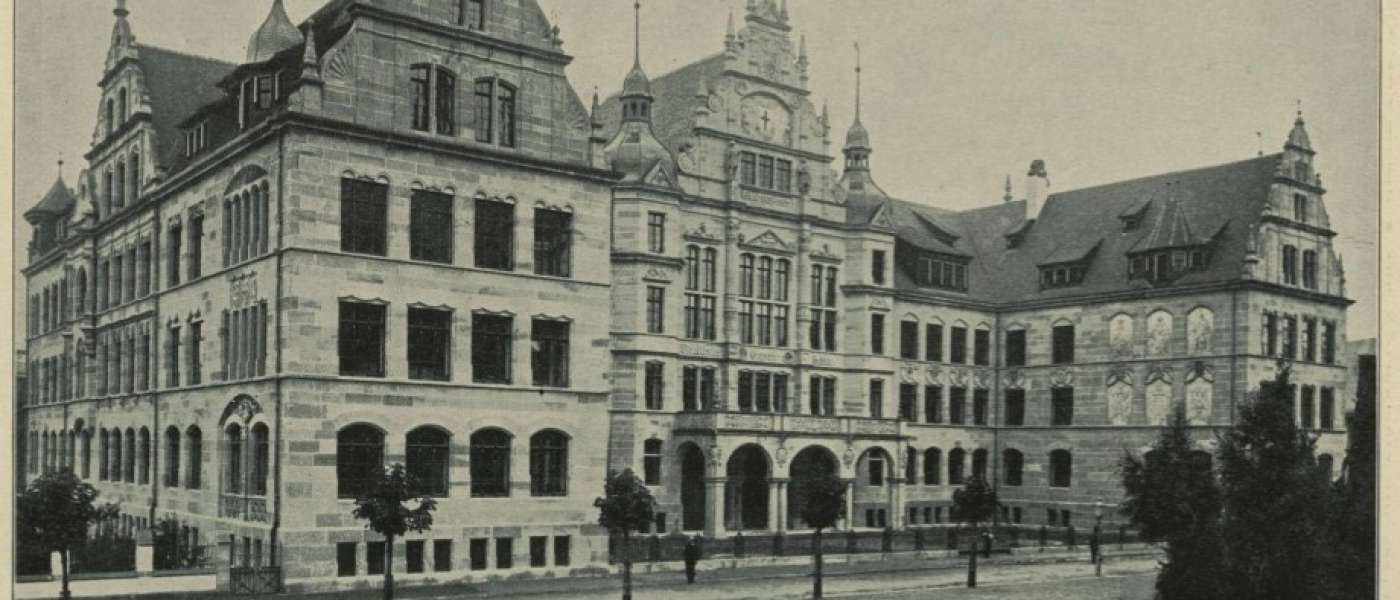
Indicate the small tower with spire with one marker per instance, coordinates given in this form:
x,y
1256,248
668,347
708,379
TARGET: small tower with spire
x,y
635,150
123,43
857,149
1298,152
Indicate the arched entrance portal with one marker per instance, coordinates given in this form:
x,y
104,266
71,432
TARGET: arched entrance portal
x,y
692,487
811,463
746,495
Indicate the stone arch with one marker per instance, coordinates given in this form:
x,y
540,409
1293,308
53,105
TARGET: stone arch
x,y
746,494
809,463
691,465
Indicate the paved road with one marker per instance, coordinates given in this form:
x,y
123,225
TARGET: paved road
x,y
1110,587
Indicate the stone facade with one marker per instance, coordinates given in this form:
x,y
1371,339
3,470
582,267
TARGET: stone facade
x,y
768,316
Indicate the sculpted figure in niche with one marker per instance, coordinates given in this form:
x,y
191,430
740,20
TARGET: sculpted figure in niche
x,y
1159,333
1200,328
1120,335
1159,402
1120,403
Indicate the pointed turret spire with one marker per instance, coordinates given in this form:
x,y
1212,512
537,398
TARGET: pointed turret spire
x,y
1298,136
637,34
857,148
857,82
276,34
310,66
802,56
1006,197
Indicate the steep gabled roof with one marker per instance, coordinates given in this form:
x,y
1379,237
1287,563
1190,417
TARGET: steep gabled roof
x,y
179,84
57,201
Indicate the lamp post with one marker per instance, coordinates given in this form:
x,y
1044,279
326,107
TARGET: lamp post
x,y
1095,540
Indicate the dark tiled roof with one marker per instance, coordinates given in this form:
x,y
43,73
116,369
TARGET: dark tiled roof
x,y
1223,201
57,201
673,107
1170,229
179,84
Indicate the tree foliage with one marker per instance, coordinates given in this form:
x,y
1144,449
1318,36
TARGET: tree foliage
x,y
1275,532
976,502
824,501
1353,507
385,510
55,513
1172,496
626,505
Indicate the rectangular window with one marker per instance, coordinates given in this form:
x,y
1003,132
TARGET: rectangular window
x,y
549,354
495,234
933,343
483,93
196,341
361,342
196,263
1270,334
429,343
1015,407
908,402
783,176
690,389
478,550
656,309
1062,345
656,232
491,348
374,558
1326,409
442,555
503,552
933,404
765,172
1329,343
981,347
877,267
419,79
1306,407
909,340
1062,406
363,208
979,406
561,550
655,390
1309,339
957,350
1290,337
553,234
748,168
1016,348
957,405
877,334
345,558
430,228
1300,208
413,555
539,550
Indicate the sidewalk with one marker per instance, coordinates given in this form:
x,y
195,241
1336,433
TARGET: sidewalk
x,y
844,574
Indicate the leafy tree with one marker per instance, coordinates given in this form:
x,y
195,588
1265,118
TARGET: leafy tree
x,y
824,501
1172,496
1353,507
385,510
975,503
1275,531
626,506
56,511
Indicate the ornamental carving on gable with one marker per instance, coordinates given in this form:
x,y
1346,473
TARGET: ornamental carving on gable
x,y
703,233
767,241
1119,374
982,378
825,254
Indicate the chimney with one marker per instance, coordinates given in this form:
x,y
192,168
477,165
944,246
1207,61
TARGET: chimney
x,y
1037,188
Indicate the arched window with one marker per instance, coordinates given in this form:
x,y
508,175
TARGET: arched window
x,y
549,464
259,441
490,463
194,446
933,461
233,459
114,468
103,453
979,464
427,458
87,453
1012,463
1060,469
144,447
651,461
955,466
911,465
172,457
359,459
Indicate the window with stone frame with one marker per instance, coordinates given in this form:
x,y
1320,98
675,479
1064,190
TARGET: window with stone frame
x,y
490,463
491,348
697,388
194,446
762,392
430,227
877,267
361,339
549,352
877,334
1329,343
494,234
1016,348
982,347
877,398
909,402
363,213
1300,208
1310,269
822,400
933,342
651,462
442,556
434,89
700,293
909,340
233,459
1062,406
346,558
763,308
654,385
957,405
957,348
1270,334
470,14
259,470
980,402
194,353
429,343
1309,339
1290,265
549,464
1306,408
1289,327
553,242
933,464
359,459
1013,462
1327,409
656,232
933,403
1061,466
1062,345
823,309
196,233
495,112
656,309
1015,407
944,273
956,459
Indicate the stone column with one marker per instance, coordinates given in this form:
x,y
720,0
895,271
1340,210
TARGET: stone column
x,y
896,504
775,519
850,503
714,507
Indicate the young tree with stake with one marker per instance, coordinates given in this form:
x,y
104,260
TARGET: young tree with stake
x,y
56,511
626,506
824,501
976,502
385,508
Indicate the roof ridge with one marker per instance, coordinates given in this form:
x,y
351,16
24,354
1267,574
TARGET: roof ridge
x,y
615,95
185,54
1235,163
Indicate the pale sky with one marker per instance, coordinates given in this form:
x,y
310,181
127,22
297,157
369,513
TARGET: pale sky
x,y
958,93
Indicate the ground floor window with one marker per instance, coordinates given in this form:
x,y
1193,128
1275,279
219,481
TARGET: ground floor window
x,y
345,559
374,558
413,555
561,551
478,550
442,555
539,548
503,552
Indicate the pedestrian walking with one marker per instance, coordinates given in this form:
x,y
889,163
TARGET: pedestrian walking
x,y
1094,554
692,556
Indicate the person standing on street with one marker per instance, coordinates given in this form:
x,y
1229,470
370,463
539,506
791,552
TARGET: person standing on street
x,y
1094,555
692,556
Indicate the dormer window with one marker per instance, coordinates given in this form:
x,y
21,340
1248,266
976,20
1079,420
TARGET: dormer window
x,y
1165,265
195,138
1056,276
258,93
944,273
1132,218
471,14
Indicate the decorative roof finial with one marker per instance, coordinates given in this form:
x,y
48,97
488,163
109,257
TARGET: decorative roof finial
x,y
857,82
1007,196
120,11
1300,108
783,14
60,165
1259,136
637,33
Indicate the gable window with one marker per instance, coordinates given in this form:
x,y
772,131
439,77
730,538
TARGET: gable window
x,y
495,234
823,333
1062,345
361,339
651,462
1061,276
553,234
495,112
491,348
656,309
942,273
1062,406
363,205
981,347
490,463
430,227
1015,407
196,137
765,172
1290,265
957,351
471,14
1300,208
429,343
654,391
549,464
434,93
909,340
549,352
656,232
1310,269
748,168
763,320
1016,348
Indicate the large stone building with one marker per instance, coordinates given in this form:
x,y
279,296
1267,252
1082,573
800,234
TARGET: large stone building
x,y
384,237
